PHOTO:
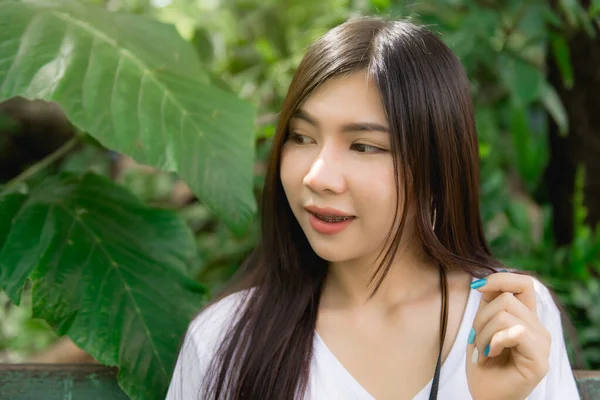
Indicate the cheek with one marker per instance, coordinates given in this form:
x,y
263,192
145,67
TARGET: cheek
x,y
289,173
375,198
375,184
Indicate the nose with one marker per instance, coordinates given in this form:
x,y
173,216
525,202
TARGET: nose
x,y
326,173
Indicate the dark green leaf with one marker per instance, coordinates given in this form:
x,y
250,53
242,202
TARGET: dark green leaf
x,y
202,43
560,51
551,16
9,207
522,79
138,87
108,272
529,148
594,9
555,107
570,9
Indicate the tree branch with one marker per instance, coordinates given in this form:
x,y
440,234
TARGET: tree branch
x,y
42,164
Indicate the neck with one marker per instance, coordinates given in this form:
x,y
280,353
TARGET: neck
x,y
411,276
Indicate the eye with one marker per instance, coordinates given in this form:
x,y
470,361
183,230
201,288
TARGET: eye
x,y
299,139
366,148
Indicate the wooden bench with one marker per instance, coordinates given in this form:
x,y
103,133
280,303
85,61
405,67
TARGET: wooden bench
x,y
59,381
97,382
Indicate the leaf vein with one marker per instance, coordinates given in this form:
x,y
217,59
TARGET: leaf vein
x,y
21,52
132,298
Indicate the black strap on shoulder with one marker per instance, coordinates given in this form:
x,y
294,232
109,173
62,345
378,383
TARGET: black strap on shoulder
x,y
443,324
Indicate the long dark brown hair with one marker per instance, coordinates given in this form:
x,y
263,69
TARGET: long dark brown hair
x,y
266,352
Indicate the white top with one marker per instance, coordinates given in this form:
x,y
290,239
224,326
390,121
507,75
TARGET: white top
x,y
329,380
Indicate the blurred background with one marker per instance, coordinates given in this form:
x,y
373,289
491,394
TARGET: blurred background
x,y
534,69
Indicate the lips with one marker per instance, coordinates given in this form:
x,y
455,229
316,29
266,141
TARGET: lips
x,y
329,221
327,212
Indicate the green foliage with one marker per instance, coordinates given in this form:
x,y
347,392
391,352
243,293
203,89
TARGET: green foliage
x,y
584,295
585,248
583,301
20,334
106,270
560,51
136,87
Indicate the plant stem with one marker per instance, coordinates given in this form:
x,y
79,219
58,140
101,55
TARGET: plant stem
x,y
42,164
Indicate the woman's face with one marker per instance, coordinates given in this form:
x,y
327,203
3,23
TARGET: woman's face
x,y
337,169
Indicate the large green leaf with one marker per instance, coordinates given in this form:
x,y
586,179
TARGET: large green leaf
x,y
560,51
9,207
594,9
138,87
529,145
554,106
523,80
107,271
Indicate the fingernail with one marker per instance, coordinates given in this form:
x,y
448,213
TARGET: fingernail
x,y
486,351
475,356
478,283
471,336
503,270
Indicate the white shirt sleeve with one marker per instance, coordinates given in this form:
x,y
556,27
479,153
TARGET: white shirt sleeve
x,y
189,369
559,383
203,337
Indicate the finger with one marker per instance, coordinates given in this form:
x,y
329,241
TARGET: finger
x,y
495,284
500,322
519,339
504,302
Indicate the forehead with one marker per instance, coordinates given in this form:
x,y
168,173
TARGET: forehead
x,y
352,97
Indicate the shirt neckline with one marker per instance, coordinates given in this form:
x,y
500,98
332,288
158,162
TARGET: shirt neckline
x,y
454,357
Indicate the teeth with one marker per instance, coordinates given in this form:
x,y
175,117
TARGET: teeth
x,y
331,218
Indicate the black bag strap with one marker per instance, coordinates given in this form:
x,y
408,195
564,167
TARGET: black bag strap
x,y
443,324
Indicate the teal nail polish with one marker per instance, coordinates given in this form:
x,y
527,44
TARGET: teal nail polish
x,y
503,270
478,283
486,351
471,336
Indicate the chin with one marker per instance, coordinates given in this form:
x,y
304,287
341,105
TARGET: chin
x,y
330,253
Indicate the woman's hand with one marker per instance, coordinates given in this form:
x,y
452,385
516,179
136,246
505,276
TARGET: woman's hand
x,y
508,349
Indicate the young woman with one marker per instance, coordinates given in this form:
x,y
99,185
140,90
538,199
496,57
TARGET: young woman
x,y
373,279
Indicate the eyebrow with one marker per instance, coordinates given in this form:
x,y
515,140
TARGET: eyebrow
x,y
351,127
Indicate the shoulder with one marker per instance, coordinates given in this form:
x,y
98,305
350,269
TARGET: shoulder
x,y
544,299
200,344
208,328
